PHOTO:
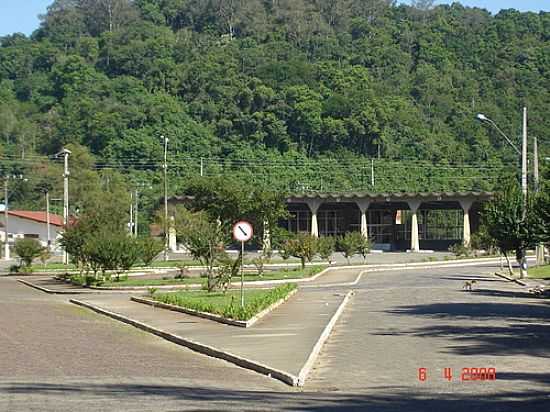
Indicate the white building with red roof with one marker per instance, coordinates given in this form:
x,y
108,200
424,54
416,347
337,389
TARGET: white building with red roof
x,y
31,224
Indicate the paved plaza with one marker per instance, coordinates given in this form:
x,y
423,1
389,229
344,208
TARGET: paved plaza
x,y
56,356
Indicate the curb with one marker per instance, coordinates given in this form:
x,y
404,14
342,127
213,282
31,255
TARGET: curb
x,y
199,347
54,291
213,317
333,285
503,276
237,284
306,369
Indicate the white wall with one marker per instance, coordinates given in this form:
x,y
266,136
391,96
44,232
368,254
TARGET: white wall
x,y
19,227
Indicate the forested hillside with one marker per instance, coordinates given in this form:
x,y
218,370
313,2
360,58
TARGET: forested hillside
x,y
298,94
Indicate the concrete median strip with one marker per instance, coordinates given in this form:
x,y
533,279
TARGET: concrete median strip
x,y
241,361
198,347
55,291
306,369
214,317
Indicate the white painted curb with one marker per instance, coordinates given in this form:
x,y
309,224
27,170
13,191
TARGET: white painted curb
x,y
213,317
306,369
54,291
198,347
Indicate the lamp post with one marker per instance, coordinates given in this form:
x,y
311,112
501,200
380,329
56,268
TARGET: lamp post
x,y
6,241
165,167
6,214
523,154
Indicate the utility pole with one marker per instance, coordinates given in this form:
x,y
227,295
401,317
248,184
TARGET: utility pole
x,y
372,173
6,241
66,154
523,263
539,251
165,166
131,228
48,220
136,213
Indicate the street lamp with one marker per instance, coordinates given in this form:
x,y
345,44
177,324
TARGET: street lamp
x,y
481,117
523,154
165,167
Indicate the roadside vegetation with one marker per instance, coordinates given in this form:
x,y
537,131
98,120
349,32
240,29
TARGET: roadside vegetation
x,y
540,272
227,304
284,274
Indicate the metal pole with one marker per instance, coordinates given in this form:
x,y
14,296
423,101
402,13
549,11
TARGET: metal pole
x,y
131,228
202,167
6,241
165,198
136,214
372,172
523,263
539,251
66,154
48,220
242,274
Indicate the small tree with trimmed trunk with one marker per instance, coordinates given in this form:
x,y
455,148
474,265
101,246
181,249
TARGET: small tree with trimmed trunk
x,y
303,246
350,244
28,250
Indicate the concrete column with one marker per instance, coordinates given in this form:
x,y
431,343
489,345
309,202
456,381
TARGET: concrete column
x,y
415,240
363,205
314,205
466,237
266,240
172,241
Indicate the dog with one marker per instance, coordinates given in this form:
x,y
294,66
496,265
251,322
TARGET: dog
x,y
468,285
538,291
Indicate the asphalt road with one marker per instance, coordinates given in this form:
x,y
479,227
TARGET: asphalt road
x,y
399,322
57,357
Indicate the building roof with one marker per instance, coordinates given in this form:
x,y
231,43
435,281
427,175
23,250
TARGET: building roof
x,y
400,196
40,217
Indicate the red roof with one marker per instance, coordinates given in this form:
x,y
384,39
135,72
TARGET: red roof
x,y
55,220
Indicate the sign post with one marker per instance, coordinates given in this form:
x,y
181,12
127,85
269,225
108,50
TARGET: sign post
x,y
242,231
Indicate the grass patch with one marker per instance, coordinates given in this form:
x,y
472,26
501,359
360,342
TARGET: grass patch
x,y
228,304
296,273
540,272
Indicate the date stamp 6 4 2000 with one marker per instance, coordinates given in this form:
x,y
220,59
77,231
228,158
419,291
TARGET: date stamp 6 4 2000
x,y
467,374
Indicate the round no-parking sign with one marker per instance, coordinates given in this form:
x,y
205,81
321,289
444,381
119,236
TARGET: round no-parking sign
x,y
242,231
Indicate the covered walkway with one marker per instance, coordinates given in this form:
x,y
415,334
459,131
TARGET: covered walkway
x,y
394,221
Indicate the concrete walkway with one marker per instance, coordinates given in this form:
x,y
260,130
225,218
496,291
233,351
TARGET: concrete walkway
x,y
283,340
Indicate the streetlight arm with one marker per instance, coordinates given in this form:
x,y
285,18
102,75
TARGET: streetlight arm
x,y
504,135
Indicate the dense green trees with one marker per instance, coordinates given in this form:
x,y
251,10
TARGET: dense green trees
x,y
295,95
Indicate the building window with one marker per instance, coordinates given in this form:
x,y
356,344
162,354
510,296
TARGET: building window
x,y
299,221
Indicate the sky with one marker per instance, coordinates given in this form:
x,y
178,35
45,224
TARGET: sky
x,y
22,15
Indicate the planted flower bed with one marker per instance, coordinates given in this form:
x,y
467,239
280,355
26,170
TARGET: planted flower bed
x,y
228,305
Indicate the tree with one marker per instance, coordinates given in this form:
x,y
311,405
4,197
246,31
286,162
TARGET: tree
x,y
204,239
326,246
364,247
150,249
513,228
28,250
302,246
350,244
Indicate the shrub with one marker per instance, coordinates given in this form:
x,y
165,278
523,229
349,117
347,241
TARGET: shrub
x,y
149,249
259,263
231,310
364,247
325,247
350,244
45,256
28,250
302,246
460,250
